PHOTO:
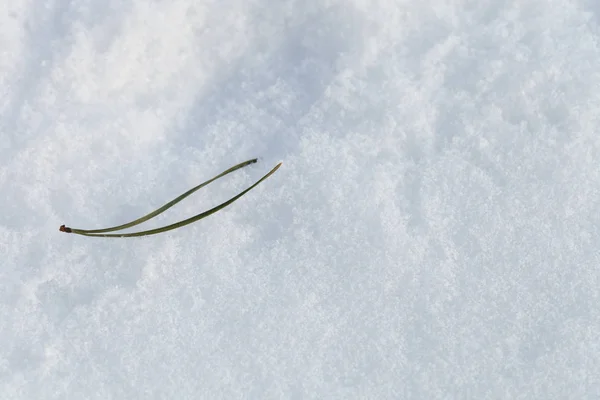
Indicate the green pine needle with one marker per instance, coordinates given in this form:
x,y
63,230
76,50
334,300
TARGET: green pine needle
x,y
102,232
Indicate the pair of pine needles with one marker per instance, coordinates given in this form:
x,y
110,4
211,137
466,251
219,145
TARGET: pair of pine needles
x,y
104,232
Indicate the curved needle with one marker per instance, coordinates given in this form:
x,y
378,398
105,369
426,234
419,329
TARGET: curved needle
x,y
102,232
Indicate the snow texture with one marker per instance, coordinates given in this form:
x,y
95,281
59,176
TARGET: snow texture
x,y
433,232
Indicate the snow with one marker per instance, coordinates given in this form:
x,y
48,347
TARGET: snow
x,y
433,232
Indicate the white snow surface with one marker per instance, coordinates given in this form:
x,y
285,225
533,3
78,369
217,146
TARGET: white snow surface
x,y
433,232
